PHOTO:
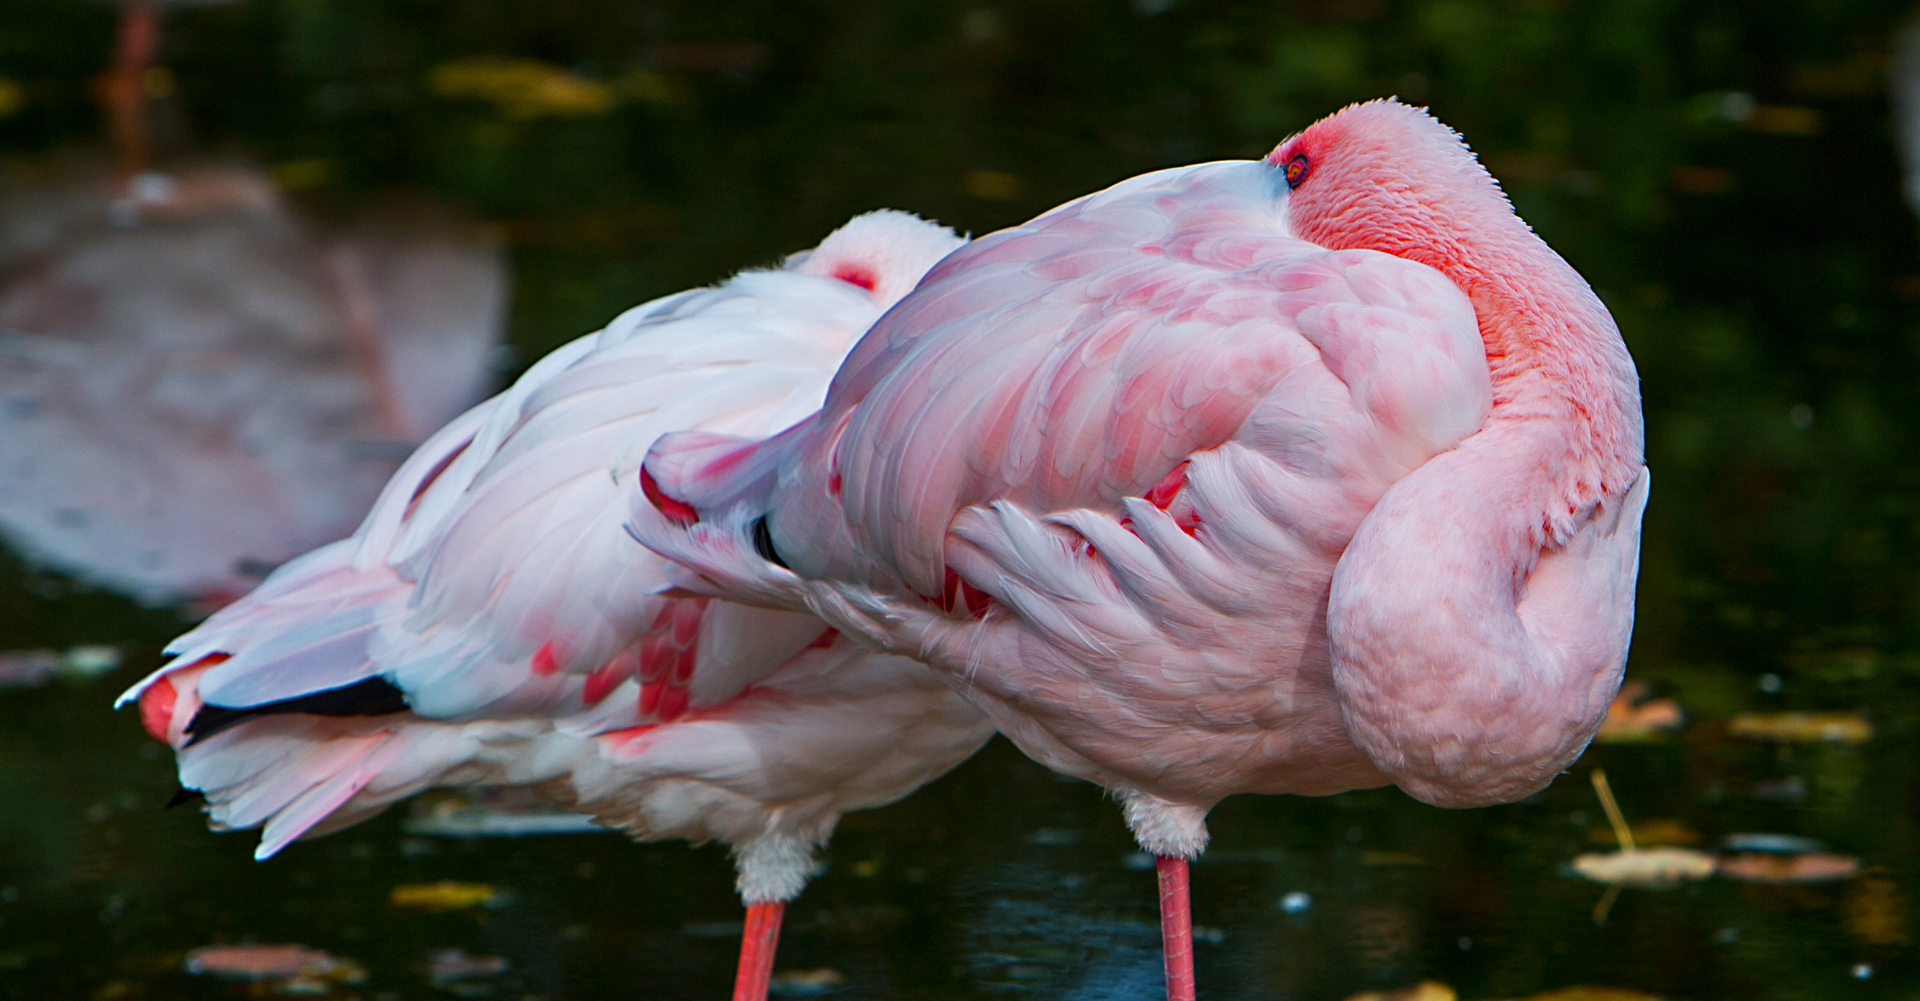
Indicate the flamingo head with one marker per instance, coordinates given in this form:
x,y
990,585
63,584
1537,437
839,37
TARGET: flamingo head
x,y
884,252
1390,177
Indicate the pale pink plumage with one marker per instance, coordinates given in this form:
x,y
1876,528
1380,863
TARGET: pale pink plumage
x,y
1272,489
494,587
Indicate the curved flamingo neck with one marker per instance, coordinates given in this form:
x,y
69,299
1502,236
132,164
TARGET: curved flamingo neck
x,y
1565,392
1479,617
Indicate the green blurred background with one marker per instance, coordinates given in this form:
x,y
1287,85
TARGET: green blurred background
x,y
1723,173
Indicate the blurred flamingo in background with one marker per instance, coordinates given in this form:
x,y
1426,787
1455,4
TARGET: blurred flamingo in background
x,y
1903,80
195,382
492,624
1301,475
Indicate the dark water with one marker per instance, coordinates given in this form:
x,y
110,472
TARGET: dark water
x,y
1765,274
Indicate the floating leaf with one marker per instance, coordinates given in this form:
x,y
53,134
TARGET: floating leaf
x,y
1652,868
446,896
284,963
522,88
1768,867
805,983
1425,990
1633,718
449,966
1592,992
1802,728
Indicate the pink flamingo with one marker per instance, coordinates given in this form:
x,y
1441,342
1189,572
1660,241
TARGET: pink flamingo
x,y
492,624
1302,475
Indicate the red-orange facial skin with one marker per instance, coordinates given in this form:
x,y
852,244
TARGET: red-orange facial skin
x,y
1409,200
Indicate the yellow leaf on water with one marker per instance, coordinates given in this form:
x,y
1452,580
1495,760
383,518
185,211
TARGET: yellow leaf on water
x,y
1769,867
1652,868
445,896
1425,990
1802,728
1593,992
522,88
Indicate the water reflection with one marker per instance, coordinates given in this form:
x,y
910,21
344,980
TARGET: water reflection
x,y
199,383
998,881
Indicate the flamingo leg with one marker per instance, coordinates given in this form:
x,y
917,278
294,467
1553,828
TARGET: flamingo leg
x,y
757,944
124,85
1176,926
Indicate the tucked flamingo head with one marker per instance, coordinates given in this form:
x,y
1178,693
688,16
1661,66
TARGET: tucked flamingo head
x,y
884,252
1389,177
1384,176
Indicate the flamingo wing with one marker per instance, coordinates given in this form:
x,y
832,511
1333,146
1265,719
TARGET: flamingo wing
x,y
1080,359
493,576
478,624
1143,426
526,583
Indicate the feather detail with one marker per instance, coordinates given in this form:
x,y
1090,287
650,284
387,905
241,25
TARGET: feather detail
x,y
494,590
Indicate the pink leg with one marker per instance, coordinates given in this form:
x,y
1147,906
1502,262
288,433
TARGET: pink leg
x,y
756,951
1176,926
123,87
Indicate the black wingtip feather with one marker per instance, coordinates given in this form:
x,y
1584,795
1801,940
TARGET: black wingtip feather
x,y
371,697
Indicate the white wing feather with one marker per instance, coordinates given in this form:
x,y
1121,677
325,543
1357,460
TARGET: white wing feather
x,y
493,575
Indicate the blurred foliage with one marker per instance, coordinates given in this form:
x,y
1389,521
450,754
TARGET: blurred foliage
x,y
1722,172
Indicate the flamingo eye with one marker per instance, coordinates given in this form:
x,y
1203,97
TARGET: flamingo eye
x,y
1297,170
